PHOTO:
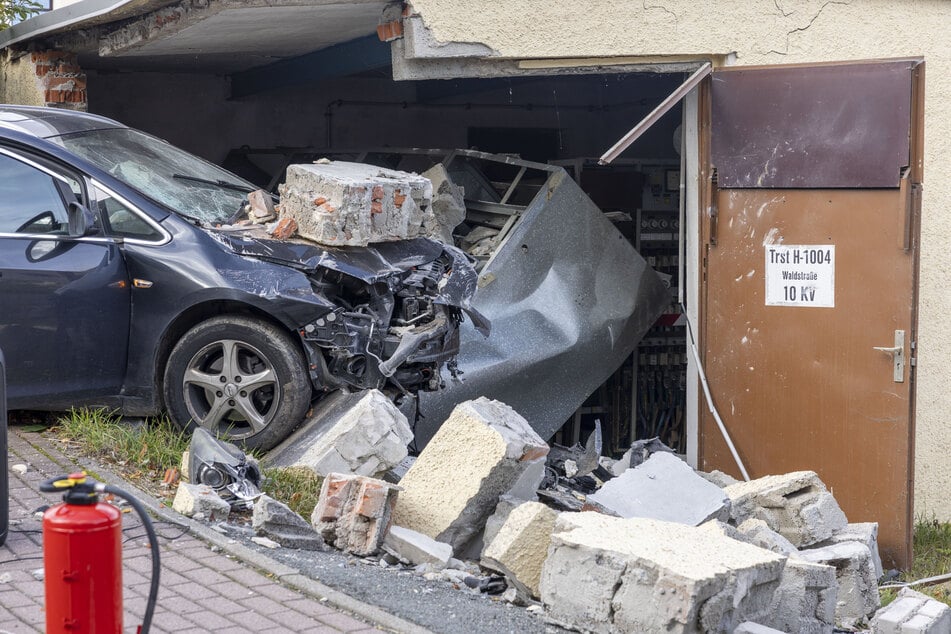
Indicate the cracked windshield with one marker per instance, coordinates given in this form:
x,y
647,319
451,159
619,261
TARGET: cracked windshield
x,y
180,181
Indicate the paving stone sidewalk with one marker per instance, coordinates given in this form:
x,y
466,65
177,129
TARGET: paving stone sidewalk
x,y
202,589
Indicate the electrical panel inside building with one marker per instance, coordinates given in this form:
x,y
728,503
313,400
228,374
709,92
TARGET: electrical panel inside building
x,y
645,397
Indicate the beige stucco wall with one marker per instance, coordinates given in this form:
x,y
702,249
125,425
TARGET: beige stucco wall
x,y
18,81
773,32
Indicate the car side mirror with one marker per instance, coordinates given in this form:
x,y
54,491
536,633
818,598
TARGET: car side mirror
x,y
82,222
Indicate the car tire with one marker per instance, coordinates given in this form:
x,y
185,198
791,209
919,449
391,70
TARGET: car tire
x,y
243,379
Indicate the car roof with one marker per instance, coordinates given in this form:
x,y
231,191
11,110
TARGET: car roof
x,y
49,122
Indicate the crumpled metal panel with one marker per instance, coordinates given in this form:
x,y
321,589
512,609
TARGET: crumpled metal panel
x,y
568,297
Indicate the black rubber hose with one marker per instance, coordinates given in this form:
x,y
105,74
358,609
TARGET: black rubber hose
x,y
153,546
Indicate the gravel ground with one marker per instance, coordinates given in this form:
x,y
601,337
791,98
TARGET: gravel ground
x,y
438,605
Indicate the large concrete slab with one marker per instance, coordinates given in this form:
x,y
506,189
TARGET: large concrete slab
x,y
338,203
477,455
608,574
665,488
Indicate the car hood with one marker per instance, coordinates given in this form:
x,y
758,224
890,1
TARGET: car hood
x,y
370,264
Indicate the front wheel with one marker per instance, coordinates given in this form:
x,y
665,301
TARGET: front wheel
x,y
240,378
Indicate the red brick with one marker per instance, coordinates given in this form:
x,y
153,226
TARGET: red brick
x,y
398,198
285,228
377,192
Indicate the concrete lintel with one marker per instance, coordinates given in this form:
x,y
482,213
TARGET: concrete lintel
x,y
406,69
421,44
158,24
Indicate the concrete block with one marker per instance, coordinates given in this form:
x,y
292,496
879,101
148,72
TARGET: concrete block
x,y
416,548
353,512
278,522
758,533
449,207
608,574
858,591
722,480
200,500
795,505
520,547
361,433
337,203
494,523
912,613
664,487
755,628
478,454
865,533
806,598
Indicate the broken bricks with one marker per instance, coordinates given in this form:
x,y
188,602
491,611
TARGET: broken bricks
x,y
353,513
912,613
477,455
337,203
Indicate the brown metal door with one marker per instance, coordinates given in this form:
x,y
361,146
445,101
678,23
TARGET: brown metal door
x,y
811,278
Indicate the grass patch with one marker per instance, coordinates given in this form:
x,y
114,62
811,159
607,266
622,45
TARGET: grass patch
x,y
932,545
141,451
297,487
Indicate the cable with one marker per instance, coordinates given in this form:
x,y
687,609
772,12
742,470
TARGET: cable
x,y
153,547
710,405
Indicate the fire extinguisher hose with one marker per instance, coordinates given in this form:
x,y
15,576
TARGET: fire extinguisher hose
x,y
153,548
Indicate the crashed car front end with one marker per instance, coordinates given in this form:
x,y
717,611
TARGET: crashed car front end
x,y
393,310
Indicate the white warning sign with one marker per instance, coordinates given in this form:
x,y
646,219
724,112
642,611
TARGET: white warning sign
x,y
800,275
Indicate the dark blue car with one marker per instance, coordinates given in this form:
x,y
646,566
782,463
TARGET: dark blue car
x,y
128,282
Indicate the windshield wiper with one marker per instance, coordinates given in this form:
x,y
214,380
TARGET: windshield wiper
x,y
219,183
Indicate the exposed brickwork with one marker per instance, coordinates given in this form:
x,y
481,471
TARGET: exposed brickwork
x,y
60,79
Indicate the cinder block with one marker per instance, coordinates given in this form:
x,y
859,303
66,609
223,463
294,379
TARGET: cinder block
x,y
416,548
355,204
912,613
477,455
857,597
608,574
665,488
806,598
520,547
353,512
200,500
277,521
362,433
865,533
795,505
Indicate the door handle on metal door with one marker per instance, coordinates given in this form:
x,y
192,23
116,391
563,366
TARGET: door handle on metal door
x,y
898,354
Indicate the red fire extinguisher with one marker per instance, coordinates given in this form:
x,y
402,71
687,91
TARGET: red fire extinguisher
x,y
82,557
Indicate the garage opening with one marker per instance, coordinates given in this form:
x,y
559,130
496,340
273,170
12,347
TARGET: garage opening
x,y
560,120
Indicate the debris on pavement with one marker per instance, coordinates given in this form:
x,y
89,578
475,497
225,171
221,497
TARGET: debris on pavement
x,y
520,547
275,520
483,448
354,204
491,509
200,501
607,574
234,475
354,512
415,548
361,433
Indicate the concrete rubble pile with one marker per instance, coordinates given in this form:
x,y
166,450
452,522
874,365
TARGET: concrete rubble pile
x,y
644,543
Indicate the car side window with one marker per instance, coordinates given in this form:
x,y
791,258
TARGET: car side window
x,y
123,222
33,201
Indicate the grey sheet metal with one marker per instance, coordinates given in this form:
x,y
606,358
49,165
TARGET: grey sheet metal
x,y
568,297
